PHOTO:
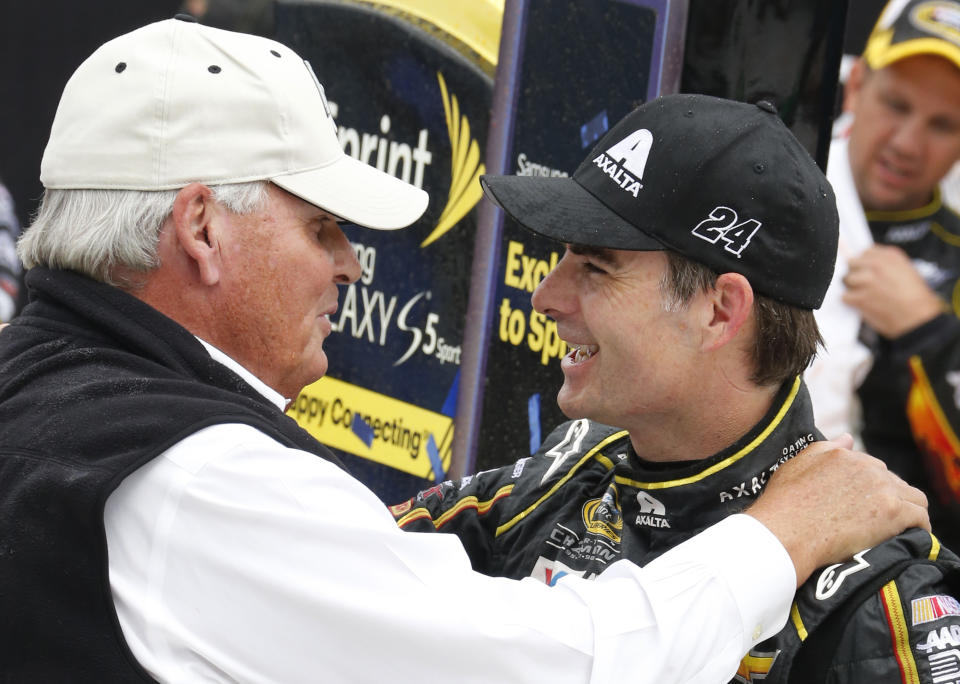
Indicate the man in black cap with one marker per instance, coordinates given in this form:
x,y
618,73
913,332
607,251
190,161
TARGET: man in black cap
x,y
700,235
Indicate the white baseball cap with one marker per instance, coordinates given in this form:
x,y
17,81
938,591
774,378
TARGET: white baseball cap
x,y
176,102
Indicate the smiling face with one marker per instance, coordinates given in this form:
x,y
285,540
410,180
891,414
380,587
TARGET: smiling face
x,y
631,357
906,134
282,269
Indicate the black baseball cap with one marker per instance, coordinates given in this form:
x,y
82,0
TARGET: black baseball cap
x,y
915,27
723,183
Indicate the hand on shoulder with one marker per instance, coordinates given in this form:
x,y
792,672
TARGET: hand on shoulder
x,y
829,502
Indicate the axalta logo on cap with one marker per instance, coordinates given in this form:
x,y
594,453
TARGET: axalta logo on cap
x,y
626,161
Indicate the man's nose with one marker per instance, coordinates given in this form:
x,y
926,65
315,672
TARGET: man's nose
x,y
910,137
346,266
553,295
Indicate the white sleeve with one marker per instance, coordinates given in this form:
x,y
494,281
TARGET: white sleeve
x,y
233,558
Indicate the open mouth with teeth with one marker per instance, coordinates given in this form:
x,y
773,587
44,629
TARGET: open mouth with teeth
x,y
582,352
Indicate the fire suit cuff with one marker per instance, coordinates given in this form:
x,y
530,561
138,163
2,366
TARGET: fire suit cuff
x,y
934,333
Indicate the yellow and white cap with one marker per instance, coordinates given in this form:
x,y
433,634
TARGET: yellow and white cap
x,y
915,27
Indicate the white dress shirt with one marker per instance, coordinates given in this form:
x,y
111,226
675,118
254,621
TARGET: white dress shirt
x,y
236,559
841,366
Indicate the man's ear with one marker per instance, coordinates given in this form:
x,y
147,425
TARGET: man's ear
x,y
732,301
196,230
854,83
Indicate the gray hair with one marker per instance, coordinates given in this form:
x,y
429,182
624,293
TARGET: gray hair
x,y
682,279
104,233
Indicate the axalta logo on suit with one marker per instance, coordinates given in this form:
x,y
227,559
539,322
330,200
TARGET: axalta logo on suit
x,y
652,512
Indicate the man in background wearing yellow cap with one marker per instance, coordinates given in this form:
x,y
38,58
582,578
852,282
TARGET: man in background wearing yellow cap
x,y
891,370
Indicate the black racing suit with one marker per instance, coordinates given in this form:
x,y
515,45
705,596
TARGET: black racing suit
x,y
910,396
585,499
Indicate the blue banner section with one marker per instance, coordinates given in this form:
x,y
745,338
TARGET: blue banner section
x,y
362,430
450,403
434,453
533,418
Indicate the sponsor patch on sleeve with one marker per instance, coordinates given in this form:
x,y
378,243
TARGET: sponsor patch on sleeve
x,y
930,608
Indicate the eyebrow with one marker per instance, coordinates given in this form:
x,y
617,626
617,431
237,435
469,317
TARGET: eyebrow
x,y
601,254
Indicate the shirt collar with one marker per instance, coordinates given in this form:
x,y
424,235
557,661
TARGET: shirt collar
x,y
269,393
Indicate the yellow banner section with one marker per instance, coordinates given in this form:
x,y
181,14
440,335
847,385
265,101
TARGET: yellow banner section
x,y
476,23
374,426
